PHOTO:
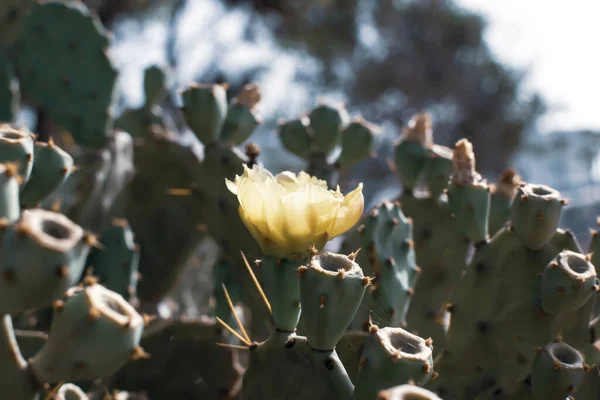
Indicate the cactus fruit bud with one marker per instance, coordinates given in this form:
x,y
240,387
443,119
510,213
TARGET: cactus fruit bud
x,y
242,118
502,195
68,391
407,392
205,110
46,257
508,184
327,123
393,357
296,137
82,348
331,290
287,214
9,193
556,371
568,282
357,142
468,194
51,168
535,214
16,146
463,163
419,130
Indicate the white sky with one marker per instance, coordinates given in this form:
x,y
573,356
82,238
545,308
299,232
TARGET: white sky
x,y
559,41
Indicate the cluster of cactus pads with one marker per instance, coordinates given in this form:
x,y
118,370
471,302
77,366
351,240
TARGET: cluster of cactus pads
x,y
457,289
94,330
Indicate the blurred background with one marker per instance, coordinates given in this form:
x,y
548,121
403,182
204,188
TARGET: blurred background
x,y
518,79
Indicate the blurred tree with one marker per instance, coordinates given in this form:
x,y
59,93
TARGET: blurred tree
x,y
396,57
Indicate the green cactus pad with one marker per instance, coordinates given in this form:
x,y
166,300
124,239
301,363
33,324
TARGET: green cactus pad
x,y
331,289
282,287
9,194
51,168
166,223
327,123
141,121
568,282
410,158
12,14
46,257
535,214
357,142
154,84
392,357
437,170
205,110
496,317
411,153
385,236
296,137
470,204
557,370
286,367
64,73
94,332
17,146
9,88
68,391
242,117
407,392
115,261
441,250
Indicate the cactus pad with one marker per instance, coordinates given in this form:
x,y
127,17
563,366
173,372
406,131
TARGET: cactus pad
x,y
94,332
46,257
64,73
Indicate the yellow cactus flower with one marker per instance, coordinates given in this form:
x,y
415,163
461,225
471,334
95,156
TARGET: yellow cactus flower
x,y
287,214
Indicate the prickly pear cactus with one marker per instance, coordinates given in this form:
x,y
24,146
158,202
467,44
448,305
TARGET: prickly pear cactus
x,y
391,357
558,372
441,247
315,136
93,330
115,261
64,73
93,193
385,237
525,286
167,223
137,122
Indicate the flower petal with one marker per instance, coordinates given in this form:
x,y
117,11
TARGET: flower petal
x,y
349,212
298,216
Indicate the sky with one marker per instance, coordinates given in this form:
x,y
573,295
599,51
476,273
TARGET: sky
x,y
557,41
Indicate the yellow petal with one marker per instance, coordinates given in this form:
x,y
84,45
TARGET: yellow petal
x,y
288,180
297,212
349,212
232,186
251,200
275,219
325,207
